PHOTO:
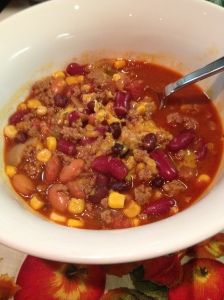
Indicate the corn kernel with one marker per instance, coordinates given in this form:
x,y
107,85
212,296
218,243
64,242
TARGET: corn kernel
x,y
157,194
89,127
101,115
10,131
116,200
80,78
36,203
59,74
51,143
10,170
39,146
135,222
88,97
111,119
174,210
132,210
203,178
141,108
109,94
57,218
119,64
41,110
44,155
22,106
70,80
140,166
75,223
76,206
86,88
130,163
116,77
33,103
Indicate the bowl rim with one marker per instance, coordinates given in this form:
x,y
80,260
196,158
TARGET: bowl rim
x,y
46,244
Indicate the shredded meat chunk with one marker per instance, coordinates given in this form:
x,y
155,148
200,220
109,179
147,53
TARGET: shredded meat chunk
x,y
142,194
174,187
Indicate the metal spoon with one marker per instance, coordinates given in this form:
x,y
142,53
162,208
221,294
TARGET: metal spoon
x,y
202,73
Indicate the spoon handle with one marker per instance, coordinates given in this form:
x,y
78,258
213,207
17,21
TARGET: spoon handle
x,y
208,70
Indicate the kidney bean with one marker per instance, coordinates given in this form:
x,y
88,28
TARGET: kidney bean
x,y
115,129
101,164
102,180
121,186
58,197
149,142
75,69
23,185
117,168
90,107
159,207
18,116
122,103
71,171
182,140
102,129
99,194
73,117
201,150
21,137
52,169
76,189
60,100
110,166
66,147
165,166
157,182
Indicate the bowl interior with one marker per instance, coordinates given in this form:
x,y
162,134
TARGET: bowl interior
x,y
37,43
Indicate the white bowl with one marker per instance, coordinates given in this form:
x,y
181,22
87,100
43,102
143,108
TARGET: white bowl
x,y
183,34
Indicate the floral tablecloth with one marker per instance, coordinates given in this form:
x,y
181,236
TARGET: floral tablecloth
x,y
196,273
192,274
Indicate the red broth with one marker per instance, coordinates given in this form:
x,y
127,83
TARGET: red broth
x,y
89,147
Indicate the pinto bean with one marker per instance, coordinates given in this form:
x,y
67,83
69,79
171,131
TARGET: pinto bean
x,y
76,189
52,169
69,172
23,185
58,197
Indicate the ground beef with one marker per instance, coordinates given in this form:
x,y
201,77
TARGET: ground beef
x,y
145,174
89,151
176,118
31,166
140,155
42,90
71,133
142,194
150,165
187,172
190,123
106,216
163,138
174,187
130,138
